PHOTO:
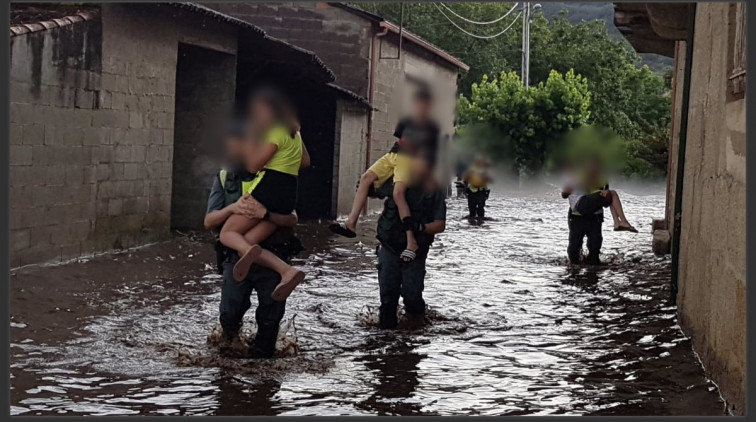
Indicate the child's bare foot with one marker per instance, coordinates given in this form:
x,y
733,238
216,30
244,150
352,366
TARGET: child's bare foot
x,y
241,269
289,282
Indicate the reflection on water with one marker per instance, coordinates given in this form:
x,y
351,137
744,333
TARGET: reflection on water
x,y
512,330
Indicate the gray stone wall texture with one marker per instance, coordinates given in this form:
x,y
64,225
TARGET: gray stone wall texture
x,y
92,128
712,282
340,38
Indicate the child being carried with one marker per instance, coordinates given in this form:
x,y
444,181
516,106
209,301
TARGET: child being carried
x,y
276,153
417,143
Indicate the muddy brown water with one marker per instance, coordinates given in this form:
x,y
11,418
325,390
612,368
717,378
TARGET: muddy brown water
x,y
512,330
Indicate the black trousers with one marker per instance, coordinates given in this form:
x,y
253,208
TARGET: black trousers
x,y
398,279
235,302
590,228
476,203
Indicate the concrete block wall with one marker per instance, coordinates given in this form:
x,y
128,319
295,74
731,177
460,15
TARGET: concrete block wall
x,y
92,118
340,38
55,85
712,285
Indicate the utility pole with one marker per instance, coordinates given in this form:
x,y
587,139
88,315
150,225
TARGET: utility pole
x,y
525,67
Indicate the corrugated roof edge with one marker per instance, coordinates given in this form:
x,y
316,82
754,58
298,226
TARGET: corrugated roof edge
x,y
27,28
405,34
351,95
235,21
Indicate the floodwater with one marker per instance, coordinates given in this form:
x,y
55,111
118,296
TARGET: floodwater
x,y
511,330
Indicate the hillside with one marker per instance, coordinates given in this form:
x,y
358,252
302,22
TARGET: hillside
x,y
578,12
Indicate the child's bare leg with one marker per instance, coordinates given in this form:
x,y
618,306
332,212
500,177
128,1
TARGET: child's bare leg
x,y
260,232
290,276
232,233
367,179
615,217
231,236
616,207
400,198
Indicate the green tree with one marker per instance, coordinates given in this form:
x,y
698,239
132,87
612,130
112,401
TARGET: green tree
x,y
529,121
484,56
625,97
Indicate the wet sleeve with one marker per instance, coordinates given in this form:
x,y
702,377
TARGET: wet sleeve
x,y
215,201
439,206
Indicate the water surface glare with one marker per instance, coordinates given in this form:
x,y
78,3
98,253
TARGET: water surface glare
x,y
511,329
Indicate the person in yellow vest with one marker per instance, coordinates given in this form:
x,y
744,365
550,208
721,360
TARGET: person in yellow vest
x,y
477,178
226,199
588,194
275,153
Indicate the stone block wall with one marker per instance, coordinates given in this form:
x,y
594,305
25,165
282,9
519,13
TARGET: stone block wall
x,y
92,119
340,38
54,90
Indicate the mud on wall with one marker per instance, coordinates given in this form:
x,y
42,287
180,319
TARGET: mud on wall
x,y
92,144
55,87
711,298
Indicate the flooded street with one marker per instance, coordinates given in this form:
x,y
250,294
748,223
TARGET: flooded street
x,y
511,330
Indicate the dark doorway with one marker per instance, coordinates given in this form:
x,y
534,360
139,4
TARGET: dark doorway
x,y
205,86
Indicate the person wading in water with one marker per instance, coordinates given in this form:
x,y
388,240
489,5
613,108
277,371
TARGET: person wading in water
x,y
227,199
476,179
397,278
588,193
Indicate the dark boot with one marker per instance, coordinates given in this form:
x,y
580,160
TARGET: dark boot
x,y
264,345
387,318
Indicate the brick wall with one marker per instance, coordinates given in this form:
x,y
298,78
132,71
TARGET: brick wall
x,y
92,115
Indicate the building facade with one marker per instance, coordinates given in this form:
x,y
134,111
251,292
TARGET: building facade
x,y
363,50
117,116
705,212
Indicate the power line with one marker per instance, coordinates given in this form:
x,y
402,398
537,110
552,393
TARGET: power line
x,y
479,23
482,37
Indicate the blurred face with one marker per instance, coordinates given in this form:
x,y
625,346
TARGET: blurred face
x,y
594,167
261,114
235,149
422,109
